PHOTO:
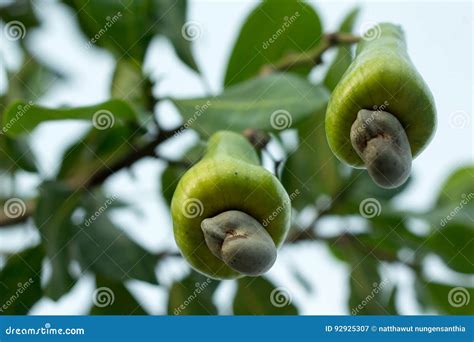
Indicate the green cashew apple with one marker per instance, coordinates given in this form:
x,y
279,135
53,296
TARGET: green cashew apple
x,y
229,213
381,114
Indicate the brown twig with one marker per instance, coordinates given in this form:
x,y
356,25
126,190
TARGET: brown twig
x,y
312,57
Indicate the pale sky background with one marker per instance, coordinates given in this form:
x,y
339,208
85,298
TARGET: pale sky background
x,y
440,42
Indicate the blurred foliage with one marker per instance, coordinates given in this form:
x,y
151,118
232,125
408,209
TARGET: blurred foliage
x,y
192,296
113,298
343,57
22,117
126,28
255,104
289,27
74,216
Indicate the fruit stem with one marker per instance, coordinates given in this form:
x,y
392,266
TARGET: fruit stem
x,y
240,241
381,142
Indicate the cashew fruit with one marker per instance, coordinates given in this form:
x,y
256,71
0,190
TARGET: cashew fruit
x,y
381,78
229,213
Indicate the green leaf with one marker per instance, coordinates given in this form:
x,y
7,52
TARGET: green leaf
x,y
130,84
32,81
20,282
53,218
389,233
171,20
123,27
108,251
366,287
359,189
451,300
22,117
126,28
362,186
273,30
113,298
343,56
312,169
192,296
457,186
454,243
258,296
272,103
15,154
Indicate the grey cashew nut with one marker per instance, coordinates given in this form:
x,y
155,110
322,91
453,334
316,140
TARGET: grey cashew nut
x,y
240,241
381,142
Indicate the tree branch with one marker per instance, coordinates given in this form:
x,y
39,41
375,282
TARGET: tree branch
x,y
148,150
311,57
100,175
